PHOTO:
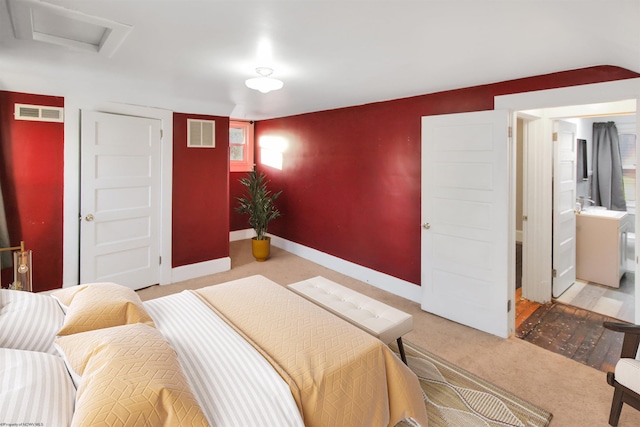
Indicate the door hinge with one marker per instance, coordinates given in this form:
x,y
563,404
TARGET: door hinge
x,y
554,138
508,306
510,131
554,273
159,260
161,133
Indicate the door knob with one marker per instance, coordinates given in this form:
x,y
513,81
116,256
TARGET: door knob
x,y
89,217
426,226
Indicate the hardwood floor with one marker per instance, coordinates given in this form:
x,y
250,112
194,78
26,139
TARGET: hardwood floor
x,y
573,332
524,308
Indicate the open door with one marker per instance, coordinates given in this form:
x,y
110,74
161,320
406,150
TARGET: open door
x,y
467,236
564,203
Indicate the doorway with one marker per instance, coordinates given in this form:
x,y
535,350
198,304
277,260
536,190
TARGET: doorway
x,y
537,195
614,302
72,212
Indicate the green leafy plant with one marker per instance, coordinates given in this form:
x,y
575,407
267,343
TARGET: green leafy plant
x,y
258,203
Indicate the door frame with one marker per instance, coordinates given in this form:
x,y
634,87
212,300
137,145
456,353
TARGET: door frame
x,y
71,205
537,184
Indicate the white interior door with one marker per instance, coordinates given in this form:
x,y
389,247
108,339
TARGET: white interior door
x,y
564,202
466,241
120,199
537,262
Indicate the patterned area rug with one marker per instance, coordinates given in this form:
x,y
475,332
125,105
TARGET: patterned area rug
x,y
456,398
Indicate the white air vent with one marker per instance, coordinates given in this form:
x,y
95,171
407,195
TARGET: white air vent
x,y
201,133
39,113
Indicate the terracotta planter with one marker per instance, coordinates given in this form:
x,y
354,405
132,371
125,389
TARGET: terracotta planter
x,y
261,248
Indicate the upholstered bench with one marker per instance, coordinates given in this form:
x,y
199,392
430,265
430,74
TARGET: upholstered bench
x,y
380,320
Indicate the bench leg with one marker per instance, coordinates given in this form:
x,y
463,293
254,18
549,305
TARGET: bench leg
x,y
401,349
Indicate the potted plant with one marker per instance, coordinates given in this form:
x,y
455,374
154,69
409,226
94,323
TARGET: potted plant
x,y
258,203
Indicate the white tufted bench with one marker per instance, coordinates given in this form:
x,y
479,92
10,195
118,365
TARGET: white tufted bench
x,y
380,320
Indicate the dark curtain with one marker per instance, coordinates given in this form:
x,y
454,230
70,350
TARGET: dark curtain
x,y
607,188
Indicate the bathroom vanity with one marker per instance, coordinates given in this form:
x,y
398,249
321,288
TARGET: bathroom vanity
x,y
601,246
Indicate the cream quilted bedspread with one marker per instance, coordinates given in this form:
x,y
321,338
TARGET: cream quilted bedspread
x,y
338,374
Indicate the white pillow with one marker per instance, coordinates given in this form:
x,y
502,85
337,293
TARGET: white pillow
x,y
29,321
35,389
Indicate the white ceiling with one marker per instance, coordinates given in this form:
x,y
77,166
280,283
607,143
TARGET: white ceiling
x,y
194,55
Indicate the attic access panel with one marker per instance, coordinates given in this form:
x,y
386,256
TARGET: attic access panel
x,y
35,20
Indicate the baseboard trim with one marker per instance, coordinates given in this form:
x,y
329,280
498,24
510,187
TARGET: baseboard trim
x,y
192,271
241,234
383,281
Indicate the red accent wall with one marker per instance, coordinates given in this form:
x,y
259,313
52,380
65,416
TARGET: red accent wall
x,y
200,194
31,174
351,179
237,221
351,176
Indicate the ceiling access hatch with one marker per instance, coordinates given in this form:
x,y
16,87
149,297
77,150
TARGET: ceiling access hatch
x,y
45,22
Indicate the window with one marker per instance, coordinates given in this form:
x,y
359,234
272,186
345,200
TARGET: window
x,y
241,146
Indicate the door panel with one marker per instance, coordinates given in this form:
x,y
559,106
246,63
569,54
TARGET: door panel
x,y
120,199
465,236
564,202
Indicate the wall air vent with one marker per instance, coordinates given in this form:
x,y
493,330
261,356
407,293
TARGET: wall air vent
x,y
39,113
201,133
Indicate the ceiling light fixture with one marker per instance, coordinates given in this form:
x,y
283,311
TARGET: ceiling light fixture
x,y
264,83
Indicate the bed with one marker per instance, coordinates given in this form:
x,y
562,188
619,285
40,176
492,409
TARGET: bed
x,y
246,352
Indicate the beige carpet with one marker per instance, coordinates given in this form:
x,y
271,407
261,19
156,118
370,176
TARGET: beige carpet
x,y
576,395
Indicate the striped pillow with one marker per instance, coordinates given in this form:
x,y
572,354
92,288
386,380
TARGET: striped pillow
x,y
35,389
29,321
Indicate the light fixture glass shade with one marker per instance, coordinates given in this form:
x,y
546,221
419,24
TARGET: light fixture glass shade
x,y
264,83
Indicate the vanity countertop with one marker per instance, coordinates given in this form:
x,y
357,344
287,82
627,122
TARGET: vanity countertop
x,y
604,213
